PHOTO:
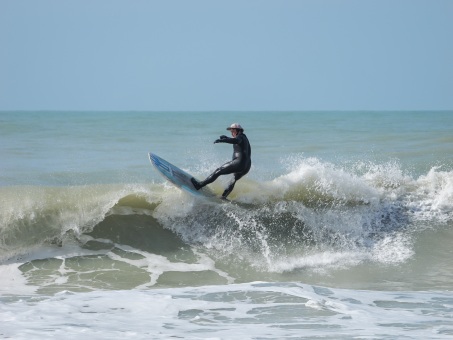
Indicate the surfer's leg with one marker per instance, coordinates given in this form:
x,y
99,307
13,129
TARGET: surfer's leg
x,y
212,177
195,183
230,188
227,168
237,177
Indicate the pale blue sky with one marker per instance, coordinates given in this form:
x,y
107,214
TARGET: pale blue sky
x,y
226,55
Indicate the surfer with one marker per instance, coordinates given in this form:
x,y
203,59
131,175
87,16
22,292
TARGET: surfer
x,y
239,165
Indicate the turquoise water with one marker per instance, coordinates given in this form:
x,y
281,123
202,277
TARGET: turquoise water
x,y
40,146
342,228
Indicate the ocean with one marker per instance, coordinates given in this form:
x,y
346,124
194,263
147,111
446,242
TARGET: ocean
x,y
343,228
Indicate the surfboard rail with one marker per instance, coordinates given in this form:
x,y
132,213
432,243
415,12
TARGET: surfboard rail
x,y
178,177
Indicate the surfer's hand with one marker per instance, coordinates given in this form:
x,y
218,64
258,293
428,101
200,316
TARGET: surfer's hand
x,y
217,141
223,137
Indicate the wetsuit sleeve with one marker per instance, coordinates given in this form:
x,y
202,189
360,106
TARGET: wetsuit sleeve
x,y
237,140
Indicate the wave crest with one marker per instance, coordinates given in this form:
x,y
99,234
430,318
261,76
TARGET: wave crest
x,y
315,208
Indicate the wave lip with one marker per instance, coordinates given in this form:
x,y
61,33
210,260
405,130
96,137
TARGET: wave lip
x,y
33,215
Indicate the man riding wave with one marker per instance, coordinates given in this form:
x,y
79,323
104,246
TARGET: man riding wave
x,y
240,163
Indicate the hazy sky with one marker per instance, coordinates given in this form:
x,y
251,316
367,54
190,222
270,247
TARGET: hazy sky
x,y
226,55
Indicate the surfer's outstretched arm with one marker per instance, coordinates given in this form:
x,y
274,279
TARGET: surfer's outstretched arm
x,y
225,139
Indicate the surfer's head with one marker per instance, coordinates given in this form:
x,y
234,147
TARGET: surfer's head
x,y
235,126
235,129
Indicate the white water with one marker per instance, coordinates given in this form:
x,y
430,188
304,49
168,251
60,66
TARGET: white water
x,y
244,311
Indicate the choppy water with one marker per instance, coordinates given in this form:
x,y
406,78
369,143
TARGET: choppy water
x,y
343,227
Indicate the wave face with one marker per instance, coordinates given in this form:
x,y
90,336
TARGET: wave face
x,y
318,221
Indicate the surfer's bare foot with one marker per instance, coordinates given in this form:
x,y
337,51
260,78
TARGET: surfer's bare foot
x,y
195,183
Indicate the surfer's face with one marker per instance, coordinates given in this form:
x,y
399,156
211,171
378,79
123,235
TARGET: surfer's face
x,y
234,132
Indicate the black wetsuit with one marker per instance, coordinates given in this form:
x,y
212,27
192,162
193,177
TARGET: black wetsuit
x,y
239,165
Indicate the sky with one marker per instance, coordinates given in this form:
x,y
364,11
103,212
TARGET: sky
x,y
235,55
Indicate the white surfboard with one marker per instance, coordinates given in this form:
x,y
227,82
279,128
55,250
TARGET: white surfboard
x,y
179,177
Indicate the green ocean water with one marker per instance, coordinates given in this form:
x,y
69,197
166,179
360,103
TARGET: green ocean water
x,y
343,227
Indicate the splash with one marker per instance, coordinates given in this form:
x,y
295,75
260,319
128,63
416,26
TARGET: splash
x,y
317,215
